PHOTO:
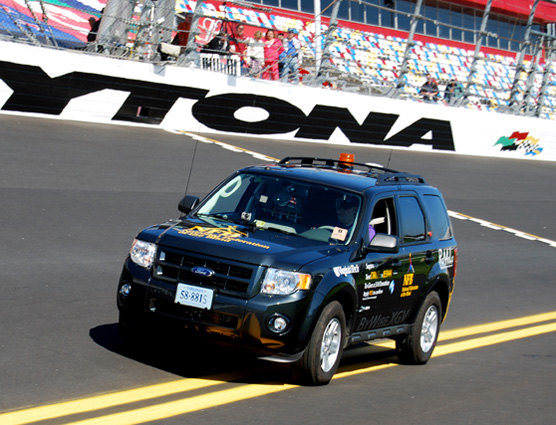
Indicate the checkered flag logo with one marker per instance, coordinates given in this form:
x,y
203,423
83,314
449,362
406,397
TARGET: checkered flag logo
x,y
520,141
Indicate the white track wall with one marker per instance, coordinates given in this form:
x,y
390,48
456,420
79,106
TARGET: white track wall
x,y
35,80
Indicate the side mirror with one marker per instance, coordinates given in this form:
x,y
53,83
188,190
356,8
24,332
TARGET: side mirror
x,y
384,243
188,203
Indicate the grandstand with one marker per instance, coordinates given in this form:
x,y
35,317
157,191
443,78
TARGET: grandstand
x,y
502,53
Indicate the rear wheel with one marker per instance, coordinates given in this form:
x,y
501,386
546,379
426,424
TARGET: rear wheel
x,y
322,356
417,347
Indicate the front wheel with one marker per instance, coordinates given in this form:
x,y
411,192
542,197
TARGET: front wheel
x,y
417,347
324,351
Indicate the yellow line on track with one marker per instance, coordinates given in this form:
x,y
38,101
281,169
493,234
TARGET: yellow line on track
x,y
186,405
241,392
485,341
103,401
471,344
228,146
246,391
496,326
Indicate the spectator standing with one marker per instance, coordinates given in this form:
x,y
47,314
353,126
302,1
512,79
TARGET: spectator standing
x,y
280,37
238,45
184,28
429,90
94,24
255,54
292,48
272,49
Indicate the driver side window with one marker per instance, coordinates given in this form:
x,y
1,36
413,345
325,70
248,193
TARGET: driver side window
x,y
383,218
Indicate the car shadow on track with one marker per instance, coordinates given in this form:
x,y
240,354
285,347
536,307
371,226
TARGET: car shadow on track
x,y
193,358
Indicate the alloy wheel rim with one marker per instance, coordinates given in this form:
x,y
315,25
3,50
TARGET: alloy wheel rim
x,y
429,329
330,346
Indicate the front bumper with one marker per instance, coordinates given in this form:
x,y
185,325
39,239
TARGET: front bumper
x,y
241,323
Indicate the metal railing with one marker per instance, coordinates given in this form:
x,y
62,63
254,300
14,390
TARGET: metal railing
x,y
355,61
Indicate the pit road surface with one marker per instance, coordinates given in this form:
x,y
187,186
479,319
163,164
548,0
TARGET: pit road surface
x,y
73,197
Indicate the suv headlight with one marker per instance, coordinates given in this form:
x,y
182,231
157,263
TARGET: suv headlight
x,y
283,282
142,253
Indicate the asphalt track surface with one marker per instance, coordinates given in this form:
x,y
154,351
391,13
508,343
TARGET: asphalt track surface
x,y
73,197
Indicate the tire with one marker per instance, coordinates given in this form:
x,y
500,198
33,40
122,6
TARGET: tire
x,y
417,347
322,356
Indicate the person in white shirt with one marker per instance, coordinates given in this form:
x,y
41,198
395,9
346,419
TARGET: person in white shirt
x,y
255,54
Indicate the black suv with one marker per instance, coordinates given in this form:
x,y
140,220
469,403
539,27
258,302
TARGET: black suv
x,y
296,260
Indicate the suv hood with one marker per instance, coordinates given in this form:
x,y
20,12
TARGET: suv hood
x,y
258,247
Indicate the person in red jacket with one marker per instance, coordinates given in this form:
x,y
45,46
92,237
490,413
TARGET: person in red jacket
x,y
272,49
238,46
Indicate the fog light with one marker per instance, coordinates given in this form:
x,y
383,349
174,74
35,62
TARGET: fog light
x,y
278,324
125,289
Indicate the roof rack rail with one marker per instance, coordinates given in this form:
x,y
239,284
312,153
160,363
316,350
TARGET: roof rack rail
x,y
400,178
382,174
328,162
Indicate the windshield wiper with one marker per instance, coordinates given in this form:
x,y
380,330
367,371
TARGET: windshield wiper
x,y
219,216
276,229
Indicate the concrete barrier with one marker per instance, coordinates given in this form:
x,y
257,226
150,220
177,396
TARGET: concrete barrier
x,y
80,86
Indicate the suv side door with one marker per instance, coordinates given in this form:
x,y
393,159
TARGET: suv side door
x,y
381,274
416,250
388,286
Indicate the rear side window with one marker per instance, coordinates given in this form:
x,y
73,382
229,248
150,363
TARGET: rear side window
x,y
439,220
412,220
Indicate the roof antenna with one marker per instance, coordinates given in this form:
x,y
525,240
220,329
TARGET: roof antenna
x,y
389,158
191,167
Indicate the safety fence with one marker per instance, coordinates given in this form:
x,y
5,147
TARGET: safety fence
x,y
352,59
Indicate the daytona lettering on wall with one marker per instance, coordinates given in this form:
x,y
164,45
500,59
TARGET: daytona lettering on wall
x,y
148,102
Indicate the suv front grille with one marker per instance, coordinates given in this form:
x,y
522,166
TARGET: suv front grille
x,y
173,266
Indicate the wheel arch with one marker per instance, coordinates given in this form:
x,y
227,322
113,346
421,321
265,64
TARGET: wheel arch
x,y
345,294
441,287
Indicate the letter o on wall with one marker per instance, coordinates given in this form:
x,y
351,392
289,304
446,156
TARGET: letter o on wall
x,y
217,112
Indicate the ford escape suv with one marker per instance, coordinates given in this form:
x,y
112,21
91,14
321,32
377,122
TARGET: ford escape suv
x,y
295,261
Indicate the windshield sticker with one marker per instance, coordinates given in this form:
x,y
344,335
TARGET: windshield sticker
x,y
344,271
339,234
221,234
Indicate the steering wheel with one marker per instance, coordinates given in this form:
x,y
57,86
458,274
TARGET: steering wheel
x,y
331,228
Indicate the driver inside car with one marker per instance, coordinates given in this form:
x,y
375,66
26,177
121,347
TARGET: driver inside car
x,y
346,210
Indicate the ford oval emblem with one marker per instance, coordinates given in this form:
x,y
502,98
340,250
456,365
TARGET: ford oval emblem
x,y
202,271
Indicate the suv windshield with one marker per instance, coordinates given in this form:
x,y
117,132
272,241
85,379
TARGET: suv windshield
x,y
274,203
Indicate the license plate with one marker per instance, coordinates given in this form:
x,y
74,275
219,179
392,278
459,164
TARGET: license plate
x,y
194,296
